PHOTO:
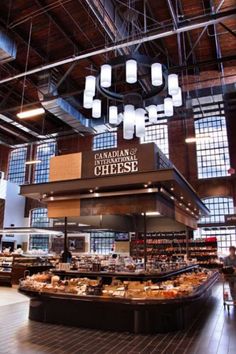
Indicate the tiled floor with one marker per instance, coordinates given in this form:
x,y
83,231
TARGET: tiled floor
x,y
212,332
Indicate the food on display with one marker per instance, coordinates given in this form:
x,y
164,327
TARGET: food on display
x,y
179,286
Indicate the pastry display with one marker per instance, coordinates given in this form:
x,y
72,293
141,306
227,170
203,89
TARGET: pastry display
x,y
179,286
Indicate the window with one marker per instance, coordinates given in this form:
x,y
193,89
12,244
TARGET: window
x,y
105,141
212,144
219,207
16,169
102,242
44,153
39,218
226,236
158,134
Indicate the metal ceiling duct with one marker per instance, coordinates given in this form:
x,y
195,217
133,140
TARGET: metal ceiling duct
x,y
7,48
64,110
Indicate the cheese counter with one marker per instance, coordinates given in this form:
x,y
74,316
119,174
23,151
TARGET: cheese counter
x,y
139,306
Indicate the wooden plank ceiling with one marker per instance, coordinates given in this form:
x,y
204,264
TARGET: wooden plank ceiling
x,y
61,29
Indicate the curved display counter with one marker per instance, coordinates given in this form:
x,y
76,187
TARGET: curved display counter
x,y
107,276
132,314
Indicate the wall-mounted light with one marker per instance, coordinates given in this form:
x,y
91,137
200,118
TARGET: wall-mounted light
x,y
32,162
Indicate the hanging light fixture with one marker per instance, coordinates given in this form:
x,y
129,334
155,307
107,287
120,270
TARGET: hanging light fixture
x,y
177,99
105,77
168,107
133,120
113,115
131,71
152,113
90,85
129,122
140,122
87,101
97,108
120,118
156,74
31,113
173,84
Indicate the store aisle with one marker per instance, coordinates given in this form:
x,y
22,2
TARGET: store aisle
x,y
10,296
212,333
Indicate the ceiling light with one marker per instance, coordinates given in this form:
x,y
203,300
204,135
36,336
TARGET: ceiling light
x,y
90,85
180,204
129,122
97,108
91,190
152,113
168,107
172,188
105,78
32,162
156,74
140,122
181,197
131,71
87,101
152,213
177,99
172,197
113,114
145,185
173,84
31,113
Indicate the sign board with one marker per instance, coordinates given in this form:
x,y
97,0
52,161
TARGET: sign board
x,y
230,219
112,162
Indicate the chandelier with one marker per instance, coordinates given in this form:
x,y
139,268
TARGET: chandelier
x,y
125,103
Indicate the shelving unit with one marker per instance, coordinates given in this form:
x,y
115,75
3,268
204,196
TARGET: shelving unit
x,y
6,263
174,244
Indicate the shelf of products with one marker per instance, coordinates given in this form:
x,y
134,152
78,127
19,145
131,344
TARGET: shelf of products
x,y
173,245
135,306
13,266
6,263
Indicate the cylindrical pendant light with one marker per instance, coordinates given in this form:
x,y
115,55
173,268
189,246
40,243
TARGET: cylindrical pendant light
x,y
173,84
156,74
113,114
177,99
128,135
105,76
168,107
140,122
97,108
87,101
131,71
129,117
129,121
90,85
152,113
120,118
